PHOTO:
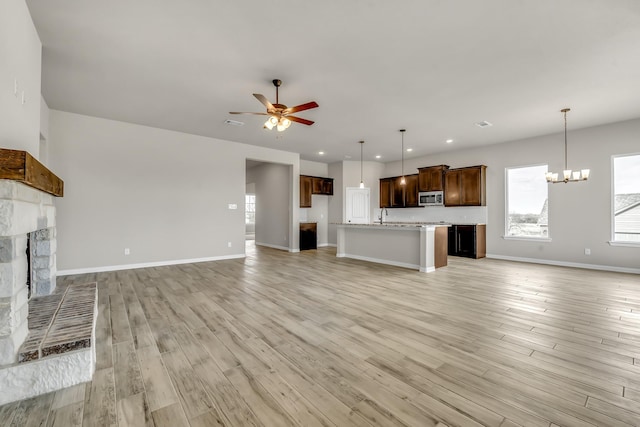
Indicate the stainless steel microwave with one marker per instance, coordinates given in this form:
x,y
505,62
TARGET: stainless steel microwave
x,y
431,198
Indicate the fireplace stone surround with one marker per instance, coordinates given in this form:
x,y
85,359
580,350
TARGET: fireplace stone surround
x,y
47,336
23,210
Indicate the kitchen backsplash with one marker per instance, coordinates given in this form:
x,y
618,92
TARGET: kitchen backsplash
x,y
454,215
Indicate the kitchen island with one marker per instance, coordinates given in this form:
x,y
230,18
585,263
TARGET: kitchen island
x,y
420,246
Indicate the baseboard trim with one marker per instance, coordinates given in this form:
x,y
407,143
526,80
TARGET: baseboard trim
x,y
269,245
145,265
380,261
566,264
324,245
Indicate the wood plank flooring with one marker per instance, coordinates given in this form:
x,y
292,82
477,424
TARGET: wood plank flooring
x,y
308,339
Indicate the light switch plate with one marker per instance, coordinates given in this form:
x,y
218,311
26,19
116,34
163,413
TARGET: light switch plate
x,y
233,206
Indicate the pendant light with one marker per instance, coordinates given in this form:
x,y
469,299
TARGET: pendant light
x,y
361,181
402,180
567,174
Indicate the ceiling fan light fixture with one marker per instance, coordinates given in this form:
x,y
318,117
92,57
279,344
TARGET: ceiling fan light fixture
x,y
271,122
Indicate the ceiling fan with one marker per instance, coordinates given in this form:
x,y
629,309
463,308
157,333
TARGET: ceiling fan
x,y
279,114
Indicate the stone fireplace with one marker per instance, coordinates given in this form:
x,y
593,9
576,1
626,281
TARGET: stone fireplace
x,y
47,335
26,214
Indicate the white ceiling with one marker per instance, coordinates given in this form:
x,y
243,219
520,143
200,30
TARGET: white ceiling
x,y
433,67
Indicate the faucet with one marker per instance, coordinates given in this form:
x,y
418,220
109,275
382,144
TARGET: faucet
x,y
383,211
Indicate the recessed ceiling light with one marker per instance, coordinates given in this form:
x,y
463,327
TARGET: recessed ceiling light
x,y
449,141
378,156
483,124
409,149
321,153
233,122
347,157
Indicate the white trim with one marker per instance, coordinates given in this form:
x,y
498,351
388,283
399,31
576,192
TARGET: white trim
x,y
145,265
626,244
381,261
528,239
567,264
322,245
268,245
294,251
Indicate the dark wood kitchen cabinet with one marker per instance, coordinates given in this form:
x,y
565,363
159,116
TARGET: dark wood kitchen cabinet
x,y
395,195
314,185
431,178
468,240
386,188
465,186
308,235
411,191
306,183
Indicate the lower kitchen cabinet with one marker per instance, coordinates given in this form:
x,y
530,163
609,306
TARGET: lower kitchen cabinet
x,y
308,235
468,240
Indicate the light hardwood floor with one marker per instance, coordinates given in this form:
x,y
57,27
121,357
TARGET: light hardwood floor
x,y
307,339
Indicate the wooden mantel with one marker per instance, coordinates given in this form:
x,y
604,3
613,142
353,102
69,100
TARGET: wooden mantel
x,y
23,167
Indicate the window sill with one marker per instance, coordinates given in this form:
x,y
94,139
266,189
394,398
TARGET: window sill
x,y
627,244
527,239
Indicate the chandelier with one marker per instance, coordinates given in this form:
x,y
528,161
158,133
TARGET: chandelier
x,y
567,174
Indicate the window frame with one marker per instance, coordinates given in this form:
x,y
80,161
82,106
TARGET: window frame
x,y
246,210
613,241
506,235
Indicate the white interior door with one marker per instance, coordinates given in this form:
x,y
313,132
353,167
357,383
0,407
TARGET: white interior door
x,y
357,206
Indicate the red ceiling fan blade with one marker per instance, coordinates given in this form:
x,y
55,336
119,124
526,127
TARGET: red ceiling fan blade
x,y
242,112
302,107
265,102
299,120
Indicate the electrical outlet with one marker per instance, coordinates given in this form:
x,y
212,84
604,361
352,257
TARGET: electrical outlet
x,y
228,244
127,251
587,251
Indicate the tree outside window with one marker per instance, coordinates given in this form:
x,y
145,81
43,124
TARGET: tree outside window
x,y
527,207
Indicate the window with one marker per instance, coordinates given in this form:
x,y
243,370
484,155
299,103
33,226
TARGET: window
x,y
249,208
527,207
626,199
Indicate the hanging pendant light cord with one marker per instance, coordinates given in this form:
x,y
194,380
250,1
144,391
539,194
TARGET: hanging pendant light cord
x,y
361,144
402,161
565,138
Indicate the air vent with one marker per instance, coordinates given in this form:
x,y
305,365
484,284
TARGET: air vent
x,y
483,124
233,122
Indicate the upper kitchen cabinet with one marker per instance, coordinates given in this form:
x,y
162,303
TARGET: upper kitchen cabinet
x,y
431,178
395,195
465,186
314,185
411,191
306,182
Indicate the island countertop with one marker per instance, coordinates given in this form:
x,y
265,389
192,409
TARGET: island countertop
x,y
422,246
411,225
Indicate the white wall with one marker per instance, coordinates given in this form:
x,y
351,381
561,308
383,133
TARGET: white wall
x,y
579,213
20,59
162,194
272,187
347,174
336,204
319,210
